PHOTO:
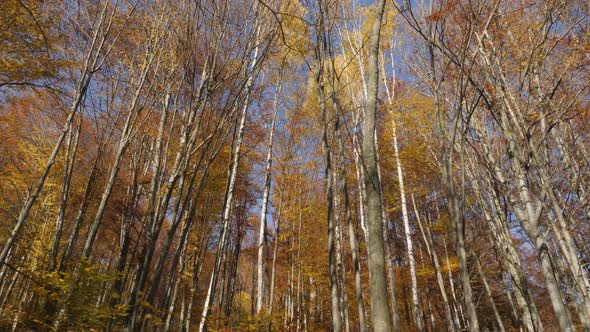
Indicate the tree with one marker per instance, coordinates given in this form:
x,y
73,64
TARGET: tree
x,y
379,304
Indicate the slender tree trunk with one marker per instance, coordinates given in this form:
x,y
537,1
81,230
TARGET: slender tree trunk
x,y
320,79
351,233
489,293
125,241
377,273
340,271
458,307
360,184
569,253
529,214
335,294
407,232
551,282
81,211
70,159
510,257
405,218
126,136
265,195
274,257
291,287
458,224
299,283
431,250
229,198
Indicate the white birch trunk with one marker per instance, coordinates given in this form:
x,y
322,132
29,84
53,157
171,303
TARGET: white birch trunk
x,y
407,232
262,229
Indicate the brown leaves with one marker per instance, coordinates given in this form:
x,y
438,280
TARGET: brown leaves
x,y
441,13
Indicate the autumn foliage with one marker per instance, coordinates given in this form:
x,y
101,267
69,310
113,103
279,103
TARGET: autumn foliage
x,y
203,165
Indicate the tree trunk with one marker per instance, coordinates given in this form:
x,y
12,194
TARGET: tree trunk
x,y
274,257
351,233
321,50
458,224
488,292
377,274
126,136
457,306
431,250
229,197
263,210
70,159
407,232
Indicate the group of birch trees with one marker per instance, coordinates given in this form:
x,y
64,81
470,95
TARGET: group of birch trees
x,y
275,165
